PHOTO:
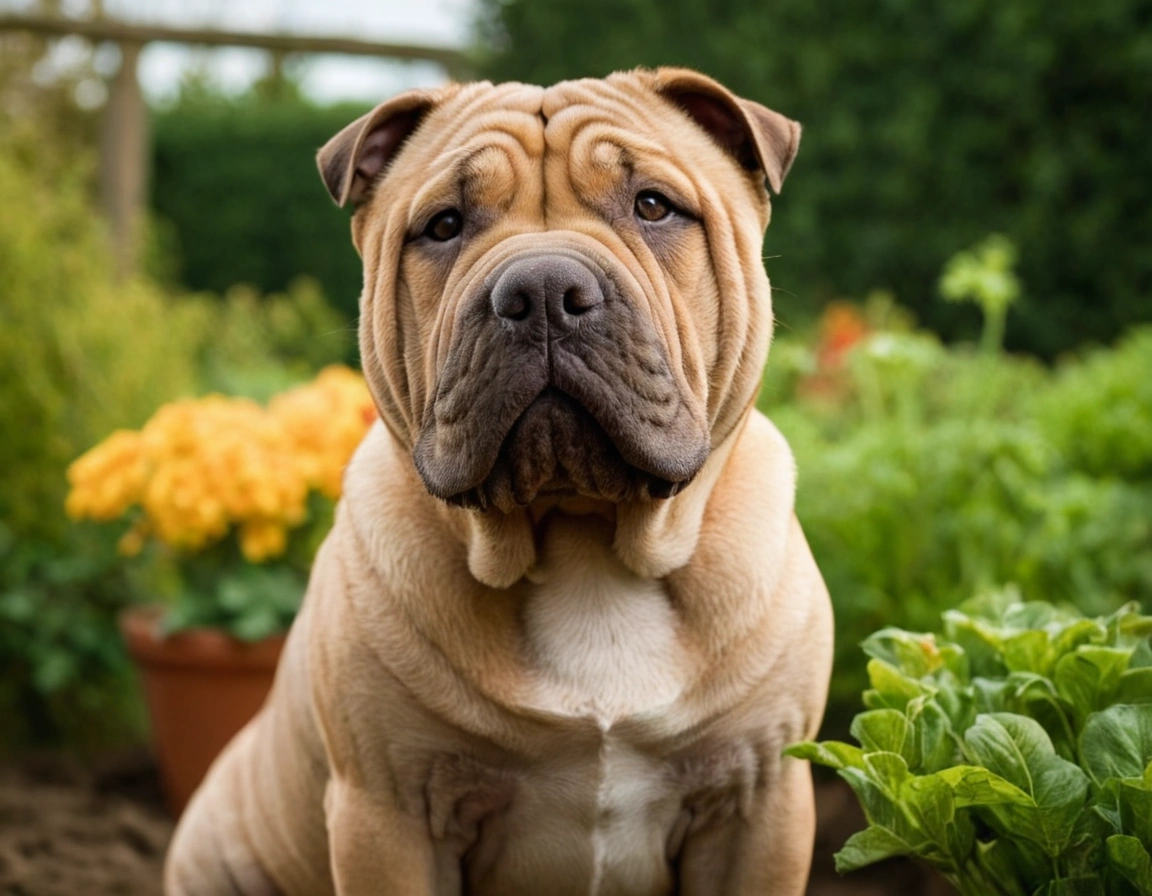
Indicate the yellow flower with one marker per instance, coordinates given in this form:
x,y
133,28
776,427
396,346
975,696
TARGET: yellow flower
x,y
202,466
261,539
326,420
108,479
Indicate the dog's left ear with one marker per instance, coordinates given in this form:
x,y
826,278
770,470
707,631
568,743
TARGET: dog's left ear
x,y
352,160
757,137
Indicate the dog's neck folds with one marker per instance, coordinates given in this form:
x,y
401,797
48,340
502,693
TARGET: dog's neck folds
x,y
652,538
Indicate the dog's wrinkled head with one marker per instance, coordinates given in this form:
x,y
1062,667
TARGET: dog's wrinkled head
x,y
563,288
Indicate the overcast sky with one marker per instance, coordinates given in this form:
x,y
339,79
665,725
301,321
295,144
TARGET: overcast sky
x,y
326,78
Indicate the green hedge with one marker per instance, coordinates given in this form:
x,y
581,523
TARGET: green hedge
x,y
235,186
927,124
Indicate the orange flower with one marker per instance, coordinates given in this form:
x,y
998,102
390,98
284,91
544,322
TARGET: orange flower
x,y
841,327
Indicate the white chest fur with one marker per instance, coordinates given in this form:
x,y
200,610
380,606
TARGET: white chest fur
x,y
603,642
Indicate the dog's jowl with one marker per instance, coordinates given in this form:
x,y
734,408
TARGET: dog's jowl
x,y
566,620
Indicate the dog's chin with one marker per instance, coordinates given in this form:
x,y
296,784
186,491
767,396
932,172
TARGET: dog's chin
x,y
557,449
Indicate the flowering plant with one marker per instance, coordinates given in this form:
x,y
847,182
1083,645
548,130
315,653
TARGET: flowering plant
x,y
226,500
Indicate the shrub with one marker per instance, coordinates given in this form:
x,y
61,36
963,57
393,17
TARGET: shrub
x,y
79,354
82,354
927,474
1014,753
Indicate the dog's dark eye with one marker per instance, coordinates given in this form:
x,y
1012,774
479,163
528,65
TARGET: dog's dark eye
x,y
652,206
445,226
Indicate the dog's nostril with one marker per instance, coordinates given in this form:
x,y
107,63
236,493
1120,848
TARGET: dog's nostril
x,y
519,306
578,300
514,305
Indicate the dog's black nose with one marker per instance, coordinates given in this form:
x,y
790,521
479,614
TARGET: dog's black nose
x,y
557,286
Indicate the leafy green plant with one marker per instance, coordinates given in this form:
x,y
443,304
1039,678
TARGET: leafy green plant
x,y
928,473
1013,753
984,275
1098,411
223,589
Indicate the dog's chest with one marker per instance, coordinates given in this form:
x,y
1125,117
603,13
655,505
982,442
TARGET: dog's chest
x,y
601,643
601,802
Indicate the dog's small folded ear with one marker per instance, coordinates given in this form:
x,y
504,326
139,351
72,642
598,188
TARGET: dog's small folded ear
x,y
757,137
352,160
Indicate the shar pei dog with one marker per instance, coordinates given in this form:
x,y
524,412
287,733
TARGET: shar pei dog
x,y
566,620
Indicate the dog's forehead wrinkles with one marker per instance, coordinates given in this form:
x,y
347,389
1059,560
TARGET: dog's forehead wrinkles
x,y
480,116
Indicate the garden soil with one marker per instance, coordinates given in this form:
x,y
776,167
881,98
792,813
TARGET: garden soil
x,y
73,828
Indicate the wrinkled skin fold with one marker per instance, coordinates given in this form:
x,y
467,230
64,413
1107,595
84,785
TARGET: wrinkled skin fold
x,y
585,403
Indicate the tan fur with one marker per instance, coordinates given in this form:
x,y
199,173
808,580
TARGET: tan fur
x,y
578,695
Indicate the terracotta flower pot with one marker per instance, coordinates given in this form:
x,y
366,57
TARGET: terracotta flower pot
x,y
201,686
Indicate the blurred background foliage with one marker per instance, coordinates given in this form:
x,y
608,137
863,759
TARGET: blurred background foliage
x,y
930,468
82,352
928,474
927,124
235,188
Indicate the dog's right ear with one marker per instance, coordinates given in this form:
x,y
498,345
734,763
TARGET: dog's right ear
x,y
352,160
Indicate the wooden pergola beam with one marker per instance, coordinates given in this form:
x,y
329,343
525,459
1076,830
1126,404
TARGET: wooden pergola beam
x,y
98,29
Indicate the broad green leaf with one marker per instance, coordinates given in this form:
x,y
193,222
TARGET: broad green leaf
x,y
1035,696
992,694
1117,742
957,701
1027,651
873,844
932,732
1017,749
1107,805
1038,614
915,655
889,771
883,809
1024,686
1128,857
1135,686
890,689
879,787
1133,801
885,730
952,834
982,643
1012,867
1082,631
1088,677
1084,853
1127,625
991,606
1085,885
832,753
972,785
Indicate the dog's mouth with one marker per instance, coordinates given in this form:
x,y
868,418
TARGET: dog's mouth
x,y
556,447
555,382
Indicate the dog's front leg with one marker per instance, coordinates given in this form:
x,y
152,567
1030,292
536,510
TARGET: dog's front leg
x,y
765,850
379,850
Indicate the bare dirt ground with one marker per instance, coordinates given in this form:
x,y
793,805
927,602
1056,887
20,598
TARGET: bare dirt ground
x,y
87,829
